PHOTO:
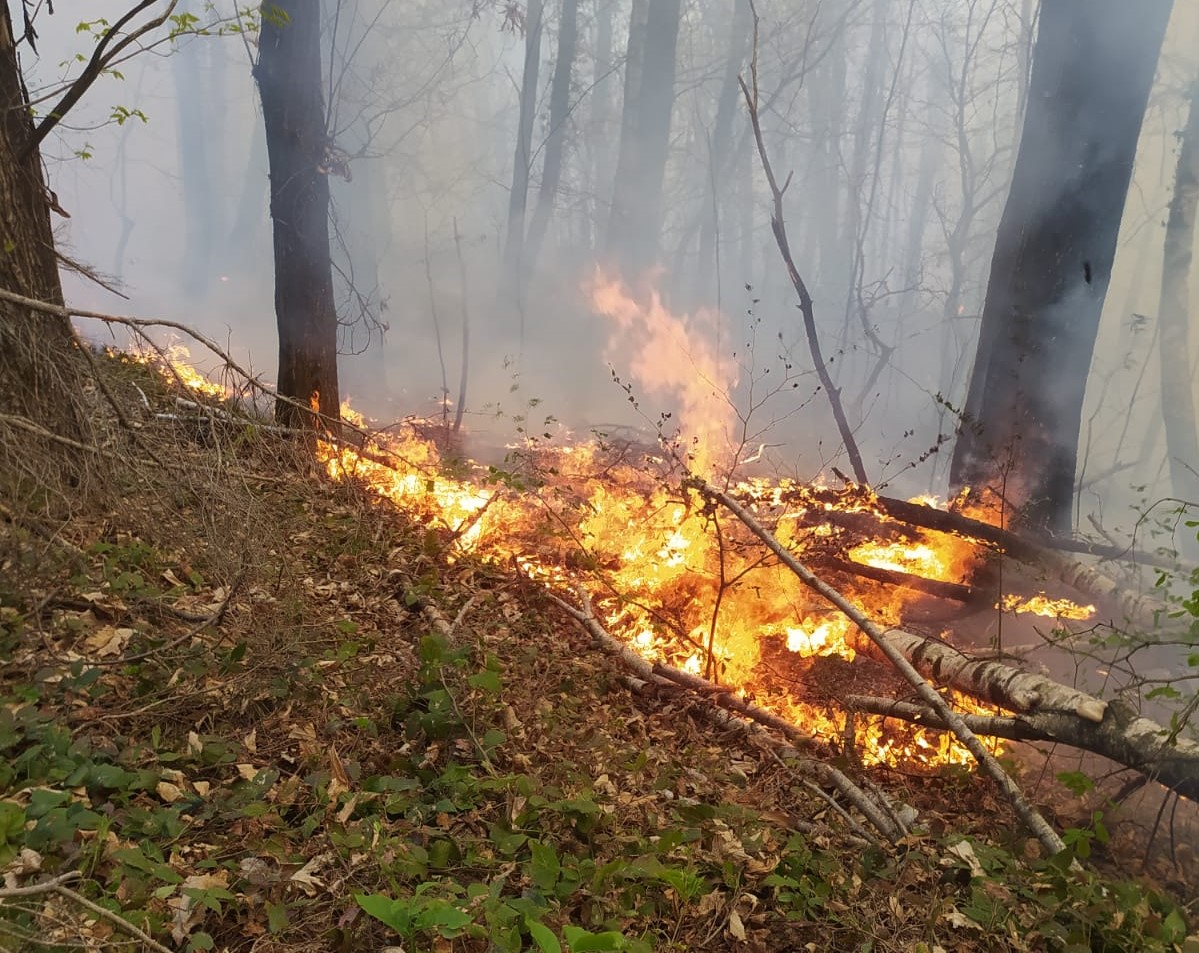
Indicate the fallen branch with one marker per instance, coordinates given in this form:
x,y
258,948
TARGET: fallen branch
x,y
904,580
929,695
882,819
990,726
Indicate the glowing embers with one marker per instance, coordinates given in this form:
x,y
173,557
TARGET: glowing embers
x,y
1042,605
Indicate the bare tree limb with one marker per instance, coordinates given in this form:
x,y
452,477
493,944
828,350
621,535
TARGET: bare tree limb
x,y
879,637
778,226
101,57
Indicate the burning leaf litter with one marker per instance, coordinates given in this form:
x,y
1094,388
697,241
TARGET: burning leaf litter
x,y
672,578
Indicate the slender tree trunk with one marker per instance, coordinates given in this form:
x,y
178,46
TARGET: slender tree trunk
x,y
551,169
40,368
600,135
1178,402
289,82
1092,70
720,144
645,134
200,209
518,198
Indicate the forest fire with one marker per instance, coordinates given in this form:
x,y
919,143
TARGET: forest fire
x,y
680,582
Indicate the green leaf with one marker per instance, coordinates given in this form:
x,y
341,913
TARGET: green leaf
x,y
545,867
581,940
1174,928
487,681
543,936
443,916
396,914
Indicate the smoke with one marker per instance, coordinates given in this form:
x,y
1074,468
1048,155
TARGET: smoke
x,y
423,105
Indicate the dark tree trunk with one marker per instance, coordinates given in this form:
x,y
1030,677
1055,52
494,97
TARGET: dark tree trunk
x,y
289,81
636,216
555,144
1178,401
518,198
1093,67
40,367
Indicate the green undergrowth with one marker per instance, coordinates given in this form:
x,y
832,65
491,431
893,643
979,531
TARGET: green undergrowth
x,y
322,768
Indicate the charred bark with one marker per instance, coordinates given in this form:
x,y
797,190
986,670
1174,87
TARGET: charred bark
x,y
1093,67
289,81
41,374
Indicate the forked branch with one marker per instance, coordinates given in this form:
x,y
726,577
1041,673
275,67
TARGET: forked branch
x,y
778,226
927,694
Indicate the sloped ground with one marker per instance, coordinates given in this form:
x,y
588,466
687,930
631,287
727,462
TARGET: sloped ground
x,y
318,767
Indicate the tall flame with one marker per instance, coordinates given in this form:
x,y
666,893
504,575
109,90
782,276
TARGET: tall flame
x,y
673,357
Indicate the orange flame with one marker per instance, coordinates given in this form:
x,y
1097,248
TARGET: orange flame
x,y
674,357
691,590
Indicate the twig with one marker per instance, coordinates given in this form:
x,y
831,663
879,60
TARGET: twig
x,y
46,886
778,226
114,918
460,409
930,696
213,619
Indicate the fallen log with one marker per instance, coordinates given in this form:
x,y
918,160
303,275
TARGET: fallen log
x,y
1032,819
1059,713
1122,736
904,580
1029,549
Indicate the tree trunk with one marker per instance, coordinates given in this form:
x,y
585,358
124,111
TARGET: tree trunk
x,y
1178,402
636,219
514,250
289,82
551,169
720,145
41,376
600,136
1093,67
200,208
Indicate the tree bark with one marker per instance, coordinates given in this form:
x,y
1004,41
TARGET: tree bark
x,y
555,144
518,198
289,81
1093,66
1178,401
41,373
636,219
720,146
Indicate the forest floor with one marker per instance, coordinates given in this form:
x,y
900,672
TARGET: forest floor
x,y
224,706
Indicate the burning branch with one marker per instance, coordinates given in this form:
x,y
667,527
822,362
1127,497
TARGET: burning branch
x,y
779,228
880,816
929,695
1047,710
